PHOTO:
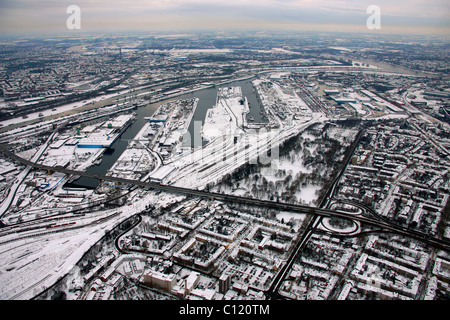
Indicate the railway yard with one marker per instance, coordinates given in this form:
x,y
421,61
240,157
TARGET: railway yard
x,y
339,192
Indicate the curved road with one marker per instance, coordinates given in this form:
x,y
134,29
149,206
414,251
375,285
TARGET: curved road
x,y
433,241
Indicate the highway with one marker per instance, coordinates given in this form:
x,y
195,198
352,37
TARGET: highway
x,y
272,292
435,242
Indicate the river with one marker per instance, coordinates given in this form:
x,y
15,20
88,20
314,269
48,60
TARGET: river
x,y
207,99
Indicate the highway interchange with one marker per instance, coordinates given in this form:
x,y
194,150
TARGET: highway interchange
x,y
433,241
29,230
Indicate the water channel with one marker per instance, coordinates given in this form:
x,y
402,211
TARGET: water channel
x,y
207,99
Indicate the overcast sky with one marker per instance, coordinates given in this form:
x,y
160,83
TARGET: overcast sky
x,y
404,16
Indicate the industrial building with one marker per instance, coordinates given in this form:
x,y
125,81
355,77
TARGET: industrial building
x,y
157,118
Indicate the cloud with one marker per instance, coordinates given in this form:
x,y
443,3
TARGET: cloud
x,y
51,14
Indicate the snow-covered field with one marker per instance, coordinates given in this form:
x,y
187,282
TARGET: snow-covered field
x,y
35,260
61,109
308,194
230,144
30,265
300,172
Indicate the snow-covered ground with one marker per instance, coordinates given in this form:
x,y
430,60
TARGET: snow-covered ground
x,y
54,111
230,144
31,264
222,156
308,194
36,259
63,108
227,116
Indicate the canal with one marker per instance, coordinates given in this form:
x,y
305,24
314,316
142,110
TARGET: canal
x,y
207,99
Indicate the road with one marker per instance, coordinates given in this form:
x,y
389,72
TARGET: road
x,y
272,292
433,241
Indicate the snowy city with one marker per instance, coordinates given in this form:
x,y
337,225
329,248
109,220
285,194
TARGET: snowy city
x,y
224,166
